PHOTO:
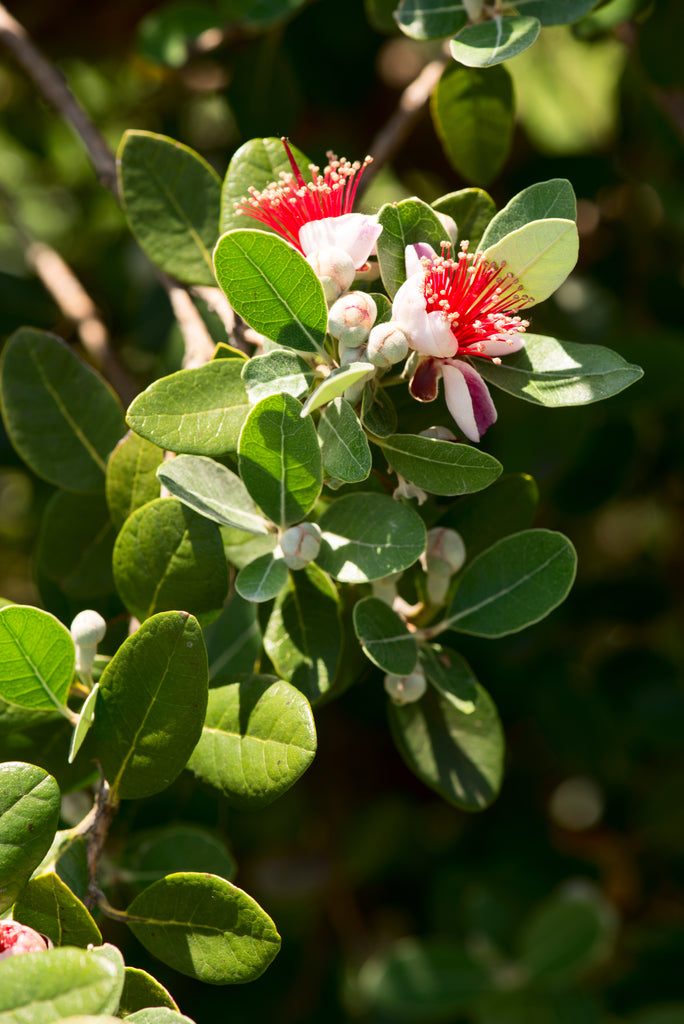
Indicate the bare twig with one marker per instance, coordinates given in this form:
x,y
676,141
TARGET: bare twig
x,y
104,811
53,88
412,103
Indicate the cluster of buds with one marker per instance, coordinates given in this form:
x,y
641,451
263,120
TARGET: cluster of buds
x,y
443,557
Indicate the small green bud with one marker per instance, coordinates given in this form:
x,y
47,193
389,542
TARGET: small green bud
x,y
387,345
351,318
300,544
406,689
334,268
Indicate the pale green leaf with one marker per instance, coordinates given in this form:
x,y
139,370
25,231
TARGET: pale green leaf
x,y
492,42
546,199
44,987
336,384
37,658
275,372
344,445
261,579
213,491
540,255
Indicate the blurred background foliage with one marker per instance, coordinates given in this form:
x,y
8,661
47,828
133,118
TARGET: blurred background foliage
x,y
359,854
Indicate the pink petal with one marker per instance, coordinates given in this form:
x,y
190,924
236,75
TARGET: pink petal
x,y
468,399
354,232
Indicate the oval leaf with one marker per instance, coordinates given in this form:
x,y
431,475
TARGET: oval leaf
x,y
262,579
560,373
141,991
276,372
344,445
567,935
473,114
167,557
384,637
458,754
213,491
513,584
430,19
368,536
273,288
472,209
258,738
204,927
45,987
29,812
37,658
153,696
541,255
199,411
131,476
547,199
256,164
491,42
440,467
336,384
404,223
50,907
75,545
61,416
303,638
171,198
279,459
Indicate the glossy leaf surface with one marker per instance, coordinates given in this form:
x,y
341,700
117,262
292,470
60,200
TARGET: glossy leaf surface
x,y
37,658
29,812
49,906
440,467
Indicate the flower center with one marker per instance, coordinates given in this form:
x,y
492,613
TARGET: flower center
x,y
475,296
290,203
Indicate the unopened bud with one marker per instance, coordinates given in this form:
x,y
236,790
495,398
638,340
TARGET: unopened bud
x,y
387,345
300,545
445,547
406,689
438,433
352,355
87,631
16,938
334,268
351,318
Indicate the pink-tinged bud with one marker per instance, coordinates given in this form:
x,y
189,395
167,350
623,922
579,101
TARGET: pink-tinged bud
x,y
334,268
87,631
438,433
406,689
351,318
300,545
16,938
387,345
443,557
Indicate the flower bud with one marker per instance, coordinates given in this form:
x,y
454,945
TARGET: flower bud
x,y
387,345
87,630
18,938
445,547
300,545
352,355
406,689
351,318
335,270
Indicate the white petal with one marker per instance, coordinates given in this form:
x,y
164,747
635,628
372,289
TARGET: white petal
x,y
413,254
504,345
354,232
427,333
468,399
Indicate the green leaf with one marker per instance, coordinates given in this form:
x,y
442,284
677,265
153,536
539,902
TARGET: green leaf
x,y
262,579
256,164
378,414
458,754
213,491
153,696
48,986
29,812
492,42
384,637
166,557
75,545
344,445
473,114
272,287
50,907
478,517
204,927
158,1015
547,199
303,637
416,981
555,12
37,658
131,476
85,720
141,991
168,35
171,198
234,639
560,373
440,467
566,935
61,416
336,384
279,459
368,536
430,19
472,209
540,254
259,737
276,372
513,584
403,224
163,851
196,412
451,676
